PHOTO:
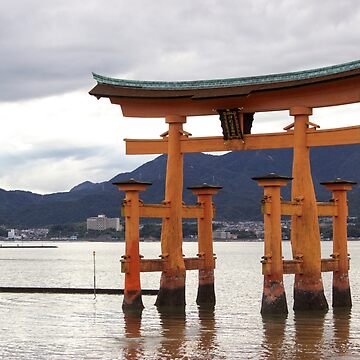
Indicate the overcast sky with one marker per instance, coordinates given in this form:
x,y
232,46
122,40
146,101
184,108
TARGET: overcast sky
x,y
54,135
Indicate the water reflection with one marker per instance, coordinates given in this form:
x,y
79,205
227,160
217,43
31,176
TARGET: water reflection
x,y
207,345
180,337
309,334
173,322
274,335
132,328
192,338
341,323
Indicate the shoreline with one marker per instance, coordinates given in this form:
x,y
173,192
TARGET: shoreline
x,y
46,242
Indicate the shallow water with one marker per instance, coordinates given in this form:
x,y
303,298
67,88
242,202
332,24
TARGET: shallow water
x,y
52,326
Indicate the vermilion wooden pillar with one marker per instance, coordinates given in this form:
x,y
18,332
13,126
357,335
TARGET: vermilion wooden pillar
x,y
132,291
341,295
305,232
172,282
206,291
274,297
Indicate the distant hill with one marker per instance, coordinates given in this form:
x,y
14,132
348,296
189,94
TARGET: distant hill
x,y
238,200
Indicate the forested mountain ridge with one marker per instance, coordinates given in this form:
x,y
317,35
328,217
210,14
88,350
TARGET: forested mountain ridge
x,y
238,200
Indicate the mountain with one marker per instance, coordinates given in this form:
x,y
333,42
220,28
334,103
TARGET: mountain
x,y
238,200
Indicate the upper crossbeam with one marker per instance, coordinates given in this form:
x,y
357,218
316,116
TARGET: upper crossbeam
x,y
281,140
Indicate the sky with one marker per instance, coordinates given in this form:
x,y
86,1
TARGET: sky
x,y
54,135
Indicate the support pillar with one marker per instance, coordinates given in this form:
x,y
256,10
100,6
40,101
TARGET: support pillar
x,y
132,290
206,290
341,295
274,297
305,232
172,282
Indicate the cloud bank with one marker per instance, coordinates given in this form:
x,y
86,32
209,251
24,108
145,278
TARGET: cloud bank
x,y
48,50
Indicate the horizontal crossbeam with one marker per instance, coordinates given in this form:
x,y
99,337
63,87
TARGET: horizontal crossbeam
x,y
327,137
163,211
327,209
153,265
296,266
289,208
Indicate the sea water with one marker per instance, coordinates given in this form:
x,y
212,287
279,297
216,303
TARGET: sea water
x,y
62,326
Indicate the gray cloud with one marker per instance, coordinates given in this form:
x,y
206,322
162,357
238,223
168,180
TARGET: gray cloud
x,y
51,152
52,47
47,168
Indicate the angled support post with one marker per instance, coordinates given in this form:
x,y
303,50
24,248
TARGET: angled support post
x,y
206,291
274,297
341,295
132,290
305,231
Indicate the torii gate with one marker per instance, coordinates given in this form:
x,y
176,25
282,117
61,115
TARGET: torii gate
x,y
236,100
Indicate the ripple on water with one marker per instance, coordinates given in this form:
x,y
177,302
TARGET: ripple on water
x,y
54,326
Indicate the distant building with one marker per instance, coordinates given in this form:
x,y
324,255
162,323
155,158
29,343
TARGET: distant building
x,y
223,235
101,222
13,234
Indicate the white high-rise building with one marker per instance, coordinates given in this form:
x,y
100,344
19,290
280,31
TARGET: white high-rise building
x,y
101,222
13,234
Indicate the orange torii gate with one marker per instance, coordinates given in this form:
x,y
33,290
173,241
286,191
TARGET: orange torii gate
x,y
236,101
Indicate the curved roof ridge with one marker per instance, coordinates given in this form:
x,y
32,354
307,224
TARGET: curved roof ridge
x,y
229,82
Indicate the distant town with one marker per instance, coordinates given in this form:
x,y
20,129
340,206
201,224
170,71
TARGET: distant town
x,y
103,228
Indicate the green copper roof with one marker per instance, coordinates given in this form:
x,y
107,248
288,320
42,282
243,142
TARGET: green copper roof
x,y
231,82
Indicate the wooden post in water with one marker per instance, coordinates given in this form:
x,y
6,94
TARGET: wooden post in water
x,y
206,291
341,295
172,282
132,290
274,297
305,232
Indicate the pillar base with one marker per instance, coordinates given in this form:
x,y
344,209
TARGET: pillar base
x,y
310,300
341,297
206,289
132,301
309,294
172,290
206,295
274,298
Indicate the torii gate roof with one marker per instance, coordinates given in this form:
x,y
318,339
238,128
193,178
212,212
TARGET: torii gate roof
x,y
327,86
